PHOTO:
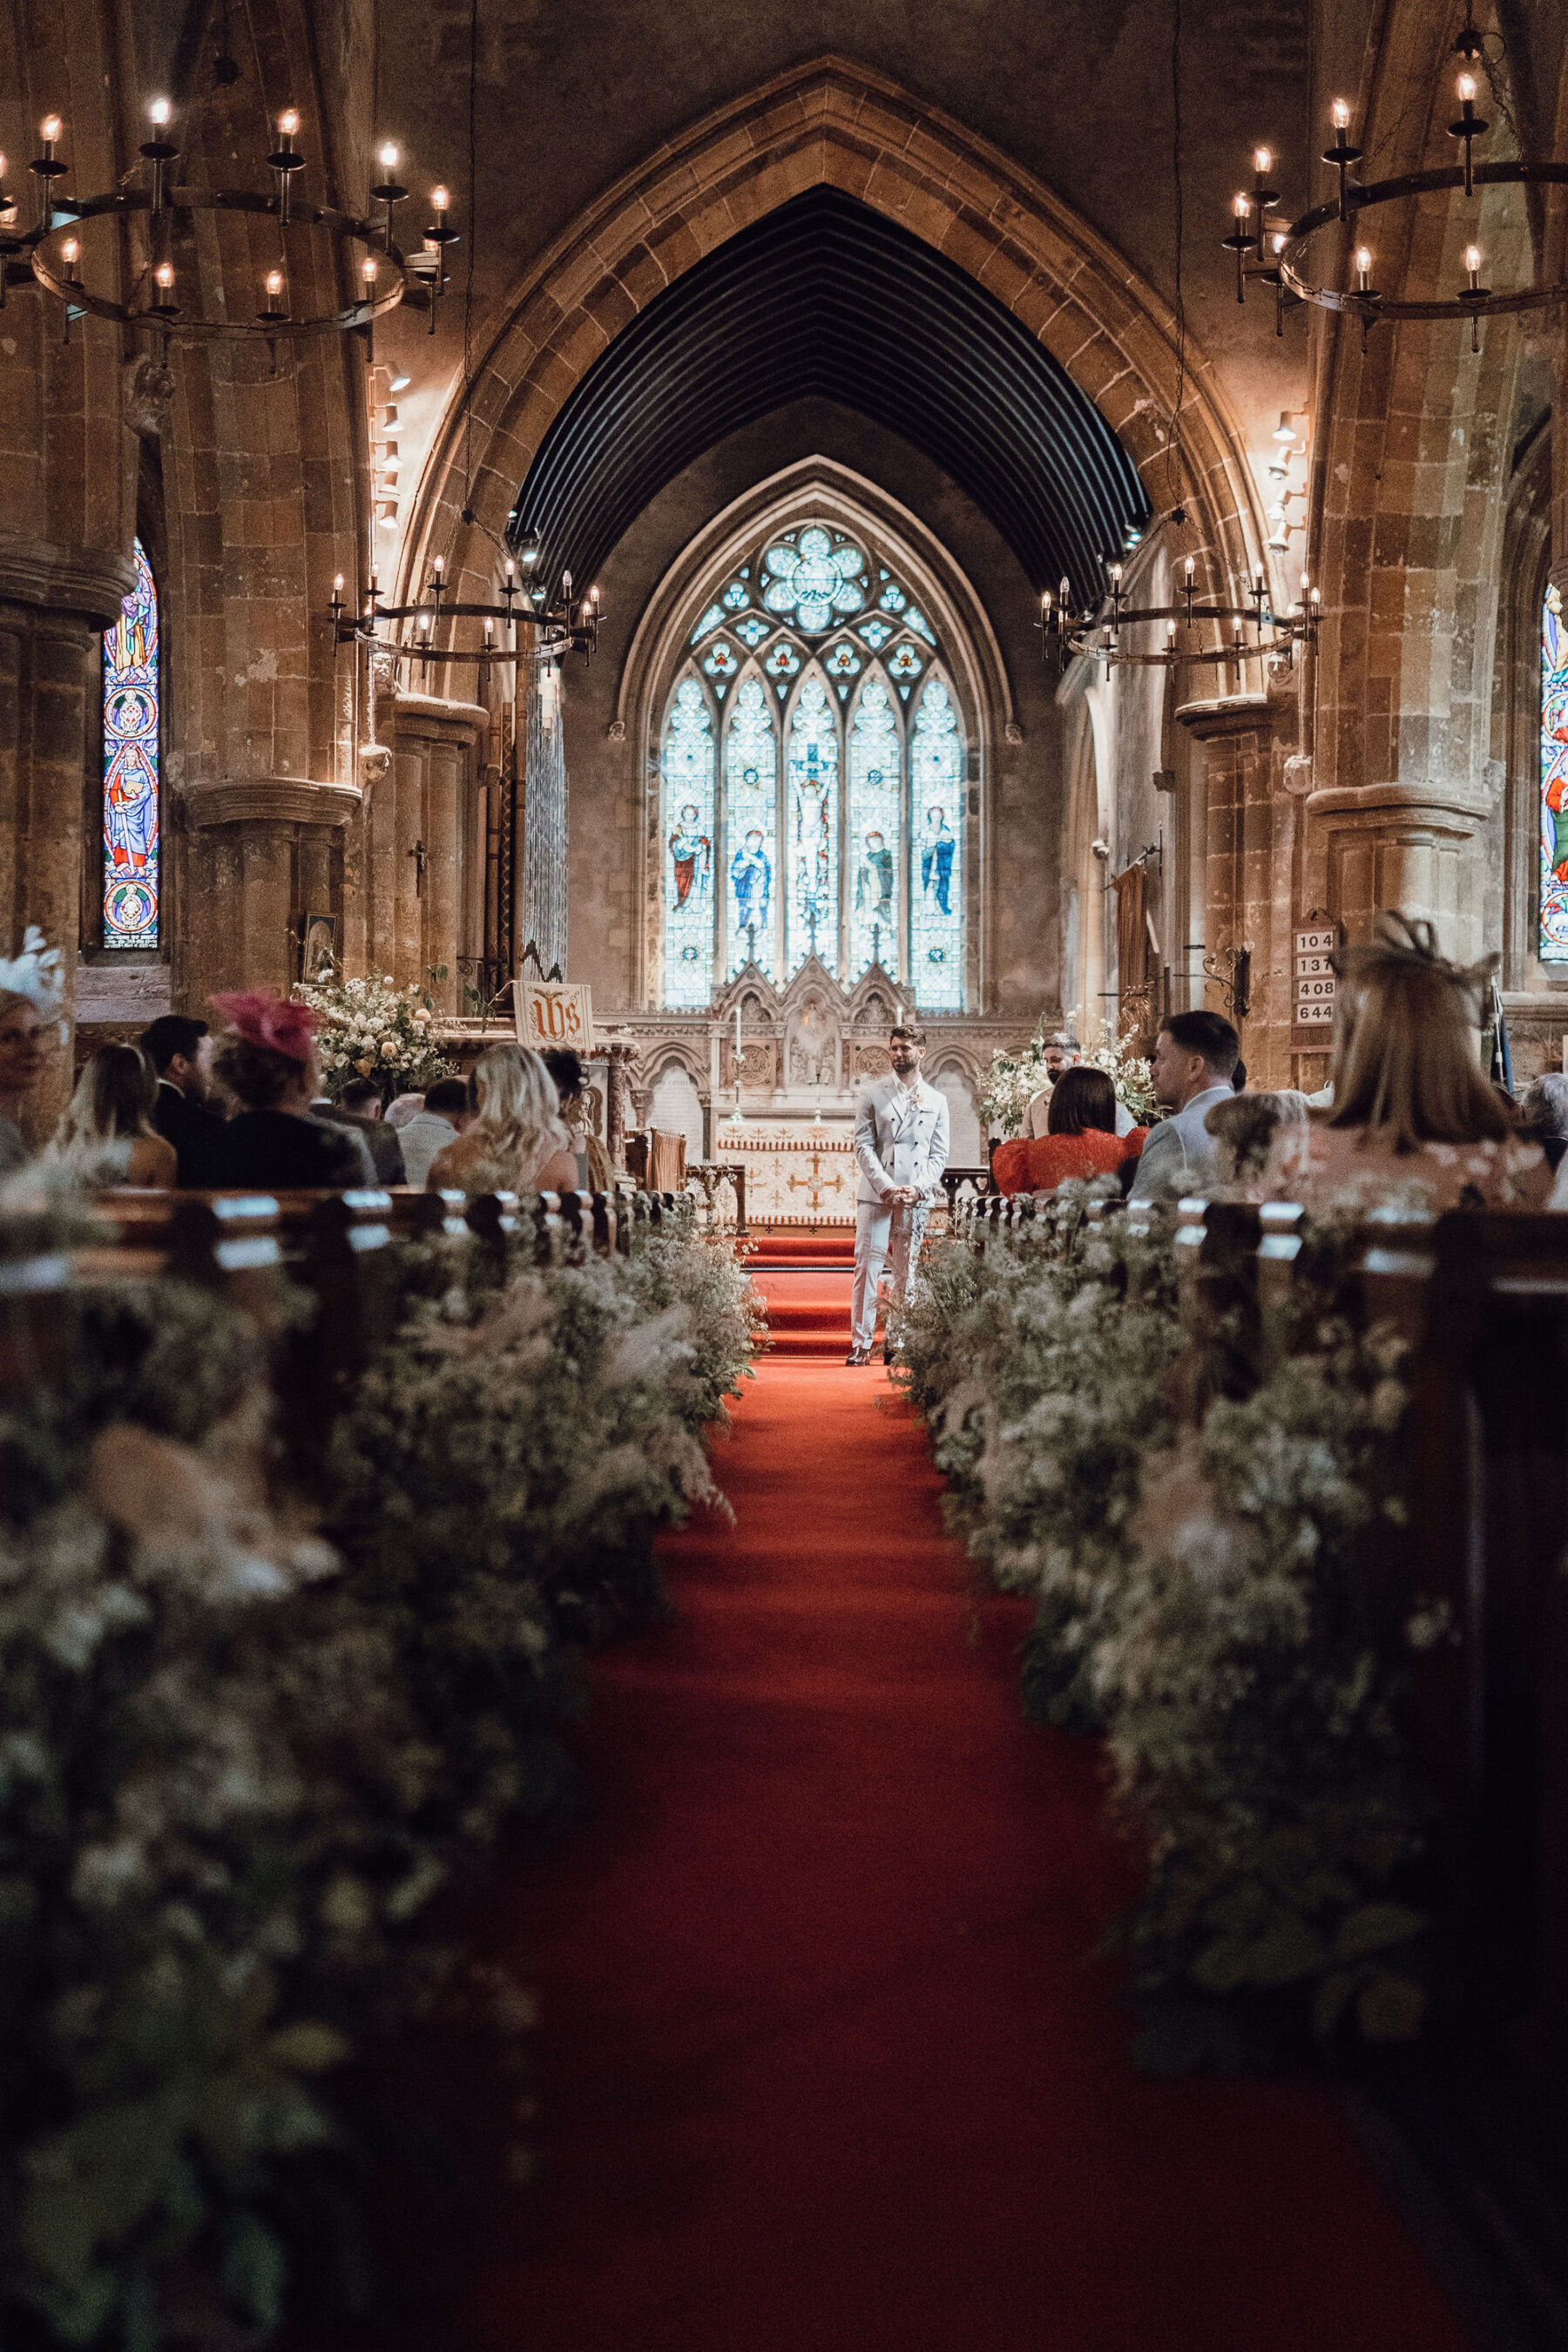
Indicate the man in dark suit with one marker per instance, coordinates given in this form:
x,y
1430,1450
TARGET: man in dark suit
x,y
359,1107
180,1052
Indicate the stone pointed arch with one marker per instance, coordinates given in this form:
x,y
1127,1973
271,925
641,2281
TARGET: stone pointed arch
x,y
831,122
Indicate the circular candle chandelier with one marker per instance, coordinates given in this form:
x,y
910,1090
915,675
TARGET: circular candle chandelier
x,y
1279,256
1095,631
564,623
49,253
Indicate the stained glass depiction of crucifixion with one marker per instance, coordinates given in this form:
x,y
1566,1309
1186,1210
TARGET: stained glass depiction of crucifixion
x,y
813,911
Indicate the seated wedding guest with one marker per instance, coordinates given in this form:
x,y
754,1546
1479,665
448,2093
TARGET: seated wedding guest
x,y
106,1137
444,1117
402,1108
515,1141
1080,1139
1543,1115
267,1061
359,1105
1414,1116
1244,1129
22,1051
180,1052
1191,1066
592,1161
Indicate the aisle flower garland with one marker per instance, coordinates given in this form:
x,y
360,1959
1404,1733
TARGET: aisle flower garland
x,y
237,1758
1217,1591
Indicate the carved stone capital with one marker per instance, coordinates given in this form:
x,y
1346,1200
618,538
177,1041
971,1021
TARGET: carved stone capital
x,y
431,719
374,760
91,582
1400,807
616,732
268,800
149,396
1226,715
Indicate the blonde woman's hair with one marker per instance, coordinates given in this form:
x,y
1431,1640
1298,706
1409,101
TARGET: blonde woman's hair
x,y
518,1107
113,1098
1404,1066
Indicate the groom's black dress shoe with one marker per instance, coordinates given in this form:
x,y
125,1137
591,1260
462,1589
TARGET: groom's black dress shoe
x,y
859,1356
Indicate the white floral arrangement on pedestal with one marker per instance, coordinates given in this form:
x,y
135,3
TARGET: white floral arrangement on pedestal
x,y
373,1029
1013,1080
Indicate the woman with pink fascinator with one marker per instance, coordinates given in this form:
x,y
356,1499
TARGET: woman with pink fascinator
x,y
266,1060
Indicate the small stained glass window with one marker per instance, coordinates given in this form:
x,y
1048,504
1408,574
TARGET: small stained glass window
x,y
131,767
723,662
713,618
736,595
936,930
751,829
812,813
875,834
814,581
875,634
751,630
687,846
1553,782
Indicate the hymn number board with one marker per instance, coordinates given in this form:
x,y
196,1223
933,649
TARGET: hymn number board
x,y
1313,989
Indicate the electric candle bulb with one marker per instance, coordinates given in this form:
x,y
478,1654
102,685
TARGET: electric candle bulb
x,y
1281,240
1364,265
388,157
1261,159
1341,114
368,268
159,111
423,625
440,198
1170,633
1241,207
49,128
1472,258
69,250
274,283
165,274
289,122
440,565
2,171
1066,588
1115,575
510,570
1467,88
1191,568
337,583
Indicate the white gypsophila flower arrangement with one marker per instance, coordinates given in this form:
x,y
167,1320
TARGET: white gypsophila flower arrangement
x,y
1013,1079
374,1029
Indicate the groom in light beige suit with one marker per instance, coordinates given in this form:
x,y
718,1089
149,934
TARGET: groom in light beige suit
x,y
901,1145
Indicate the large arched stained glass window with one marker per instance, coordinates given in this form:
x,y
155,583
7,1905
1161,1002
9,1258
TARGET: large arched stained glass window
x,y
689,849
811,806
1553,782
751,831
131,768
936,941
815,768
876,833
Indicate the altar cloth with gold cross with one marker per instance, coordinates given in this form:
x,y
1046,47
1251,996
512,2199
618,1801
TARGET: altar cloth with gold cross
x,y
798,1171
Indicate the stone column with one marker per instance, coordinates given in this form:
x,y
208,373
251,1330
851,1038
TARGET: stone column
x,y
418,900
262,852
1246,894
55,602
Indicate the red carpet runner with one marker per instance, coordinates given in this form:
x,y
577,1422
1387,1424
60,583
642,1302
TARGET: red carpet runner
x,y
806,1278
822,2063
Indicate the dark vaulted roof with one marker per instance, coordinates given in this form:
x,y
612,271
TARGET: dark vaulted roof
x,y
827,298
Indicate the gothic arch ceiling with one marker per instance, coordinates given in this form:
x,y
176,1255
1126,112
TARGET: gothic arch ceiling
x,y
827,298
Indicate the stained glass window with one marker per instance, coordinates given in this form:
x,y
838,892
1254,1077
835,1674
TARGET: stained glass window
x,y
936,777
875,834
688,849
131,767
1553,782
751,829
813,580
815,778
812,816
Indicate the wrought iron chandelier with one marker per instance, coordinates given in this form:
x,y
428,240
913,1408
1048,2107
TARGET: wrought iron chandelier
x,y
568,623
49,253
1279,256
1095,631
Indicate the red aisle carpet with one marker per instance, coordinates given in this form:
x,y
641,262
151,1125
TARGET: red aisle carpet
x,y
822,2064
806,1278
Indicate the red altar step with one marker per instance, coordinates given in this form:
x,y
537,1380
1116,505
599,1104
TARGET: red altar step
x,y
806,1278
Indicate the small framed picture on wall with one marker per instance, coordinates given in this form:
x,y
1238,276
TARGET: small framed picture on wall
x,y
319,958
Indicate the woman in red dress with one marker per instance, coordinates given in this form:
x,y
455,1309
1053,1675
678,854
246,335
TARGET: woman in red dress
x,y
1080,1138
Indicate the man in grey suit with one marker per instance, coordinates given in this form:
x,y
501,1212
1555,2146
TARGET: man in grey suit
x,y
900,1147
1193,1057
